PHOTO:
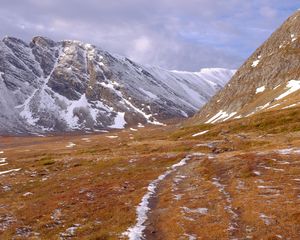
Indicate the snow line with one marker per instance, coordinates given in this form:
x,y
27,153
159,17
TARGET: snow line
x,y
142,210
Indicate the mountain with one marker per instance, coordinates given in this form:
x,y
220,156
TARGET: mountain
x,y
268,80
48,86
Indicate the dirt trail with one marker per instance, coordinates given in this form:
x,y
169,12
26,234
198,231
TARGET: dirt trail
x,y
180,209
205,199
142,211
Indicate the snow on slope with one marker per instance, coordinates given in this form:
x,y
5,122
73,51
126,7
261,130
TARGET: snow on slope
x,y
292,86
64,86
195,88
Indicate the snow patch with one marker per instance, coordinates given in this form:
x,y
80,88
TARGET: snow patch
x,y
10,171
293,86
275,105
276,87
119,121
221,115
200,133
149,117
288,151
260,89
71,145
202,211
27,194
293,37
255,63
263,107
178,197
191,236
290,106
112,137
265,218
183,113
86,140
70,232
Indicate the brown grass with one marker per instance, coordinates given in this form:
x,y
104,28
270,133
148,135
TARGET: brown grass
x,y
98,184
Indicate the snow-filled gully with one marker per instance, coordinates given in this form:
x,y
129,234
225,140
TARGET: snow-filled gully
x,y
136,232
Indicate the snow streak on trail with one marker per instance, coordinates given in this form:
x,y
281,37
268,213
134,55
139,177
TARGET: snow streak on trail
x,y
136,232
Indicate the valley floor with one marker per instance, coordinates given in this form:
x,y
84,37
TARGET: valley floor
x,y
235,180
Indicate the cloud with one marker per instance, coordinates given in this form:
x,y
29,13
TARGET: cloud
x,y
174,34
142,44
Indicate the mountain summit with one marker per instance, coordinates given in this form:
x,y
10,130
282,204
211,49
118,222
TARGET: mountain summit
x,y
48,86
268,80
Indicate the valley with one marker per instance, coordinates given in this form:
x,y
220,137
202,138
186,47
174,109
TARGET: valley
x,y
241,181
96,146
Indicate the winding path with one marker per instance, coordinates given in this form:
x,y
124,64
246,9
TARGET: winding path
x,y
136,232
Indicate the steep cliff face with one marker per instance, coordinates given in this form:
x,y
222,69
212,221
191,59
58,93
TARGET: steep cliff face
x,y
268,80
48,86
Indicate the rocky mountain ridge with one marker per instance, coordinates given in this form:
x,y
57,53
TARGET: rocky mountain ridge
x,y
48,86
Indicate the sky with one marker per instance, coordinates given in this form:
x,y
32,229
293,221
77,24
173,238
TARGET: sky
x,y
173,34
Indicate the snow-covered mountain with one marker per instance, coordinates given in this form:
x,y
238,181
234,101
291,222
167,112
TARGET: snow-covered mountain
x,y
48,86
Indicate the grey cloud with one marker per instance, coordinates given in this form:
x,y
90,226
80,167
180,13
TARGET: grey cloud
x,y
174,34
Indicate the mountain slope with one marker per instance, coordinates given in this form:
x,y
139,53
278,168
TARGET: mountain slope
x,y
268,80
49,86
